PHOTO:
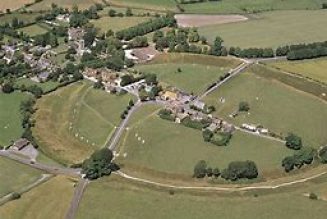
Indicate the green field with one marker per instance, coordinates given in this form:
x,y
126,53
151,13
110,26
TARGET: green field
x,y
172,148
25,17
48,200
128,201
10,117
197,72
14,176
271,29
73,121
314,69
276,106
250,6
46,4
117,23
46,86
161,5
33,30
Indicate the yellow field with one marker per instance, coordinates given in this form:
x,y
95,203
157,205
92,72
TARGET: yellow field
x,y
49,200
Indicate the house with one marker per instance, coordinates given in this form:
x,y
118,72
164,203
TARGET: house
x,y
75,34
43,76
199,105
20,144
213,127
91,73
180,117
248,127
63,18
227,128
169,95
263,131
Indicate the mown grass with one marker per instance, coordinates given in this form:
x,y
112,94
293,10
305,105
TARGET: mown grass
x,y
15,176
273,104
250,6
10,117
130,201
271,29
50,199
314,69
175,149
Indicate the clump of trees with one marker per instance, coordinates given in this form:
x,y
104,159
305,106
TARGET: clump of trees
x,y
243,106
201,170
240,170
293,141
166,114
323,155
305,156
99,164
252,52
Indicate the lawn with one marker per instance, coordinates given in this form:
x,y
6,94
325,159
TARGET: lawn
x,y
133,202
50,198
14,176
10,117
46,4
276,106
74,121
250,6
314,69
271,29
46,86
196,74
175,149
161,5
117,23
33,30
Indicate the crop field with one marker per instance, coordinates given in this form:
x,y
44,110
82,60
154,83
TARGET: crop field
x,y
13,4
250,6
33,30
314,69
46,86
10,117
46,4
276,106
15,176
195,75
271,29
129,201
50,199
73,121
161,5
117,23
160,145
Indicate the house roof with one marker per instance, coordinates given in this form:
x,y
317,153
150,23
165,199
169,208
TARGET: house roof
x,y
21,143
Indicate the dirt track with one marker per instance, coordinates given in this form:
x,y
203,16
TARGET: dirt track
x,y
190,20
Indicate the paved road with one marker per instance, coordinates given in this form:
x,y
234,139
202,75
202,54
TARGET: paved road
x,y
259,135
78,193
44,167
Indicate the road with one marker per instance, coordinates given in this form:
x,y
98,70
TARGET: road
x,y
78,193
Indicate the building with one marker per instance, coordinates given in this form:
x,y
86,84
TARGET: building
x,y
248,127
180,117
169,95
63,18
20,144
199,105
75,34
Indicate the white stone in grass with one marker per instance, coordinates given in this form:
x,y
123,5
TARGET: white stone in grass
x,y
139,138
248,113
143,142
257,98
76,135
136,135
82,138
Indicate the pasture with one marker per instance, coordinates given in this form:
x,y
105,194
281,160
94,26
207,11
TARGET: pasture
x,y
162,5
6,4
271,29
50,199
33,30
129,201
14,176
10,117
46,4
74,121
314,69
275,105
26,17
159,145
191,73
250,6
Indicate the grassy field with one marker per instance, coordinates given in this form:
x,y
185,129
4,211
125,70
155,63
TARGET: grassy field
x,y
73,121
250,6
129,202
50,198
33,30
14,176
315,69
271,29
10,117
173,148
161,5
46,86
46,4
117,23
6,4
196,74
274,105
26,17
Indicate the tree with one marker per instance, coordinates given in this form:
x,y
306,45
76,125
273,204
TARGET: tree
x,y
8,88
240,169
209,172
216,172
293,141
151,78
217,46
128,12
243,106
112,13
207,135
323,154
200,169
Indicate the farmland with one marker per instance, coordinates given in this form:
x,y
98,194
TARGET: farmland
x,y
199,72
15,176
10,120
46,4
50,198
271,29
162,5
81,124
33,30
314,69
26,17
270,106
13,4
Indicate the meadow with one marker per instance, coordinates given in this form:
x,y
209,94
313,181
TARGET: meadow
x,y
161,5
26,17
33,30
190,73
275,105
174,149
10,117
46,4
14,176
271,29
250,6
74,121
129,202
48,200
46,86
314,69
13,4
